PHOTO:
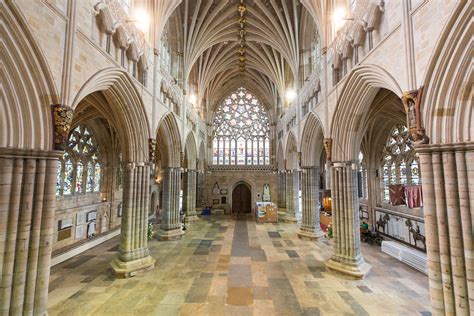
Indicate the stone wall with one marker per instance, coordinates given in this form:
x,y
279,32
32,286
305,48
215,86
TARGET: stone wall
x,y
229,179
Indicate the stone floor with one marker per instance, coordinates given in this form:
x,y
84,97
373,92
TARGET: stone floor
x,y
225,266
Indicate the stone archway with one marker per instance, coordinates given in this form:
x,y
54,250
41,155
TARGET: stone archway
x,y
242,198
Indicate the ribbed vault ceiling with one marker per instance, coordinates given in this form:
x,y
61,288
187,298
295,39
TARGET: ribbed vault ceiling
x,y
208,34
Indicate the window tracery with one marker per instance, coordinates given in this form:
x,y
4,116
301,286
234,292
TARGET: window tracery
x,y
241,131
80,169
400,162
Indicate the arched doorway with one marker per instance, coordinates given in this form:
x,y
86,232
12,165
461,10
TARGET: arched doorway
x,y
241,199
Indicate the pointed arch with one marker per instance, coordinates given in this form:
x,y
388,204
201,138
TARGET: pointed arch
x,y
280,156
447,104
27,90
291,152
169,141
202,157
123,107
190,151
312,141
361,88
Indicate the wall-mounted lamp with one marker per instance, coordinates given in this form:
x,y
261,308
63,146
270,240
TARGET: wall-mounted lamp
x,y
140,19
290,95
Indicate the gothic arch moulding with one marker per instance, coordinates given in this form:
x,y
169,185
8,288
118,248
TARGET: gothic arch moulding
x,y
27,90
202,156
123,107
347,128
447,106
169,141
312,141
292,159
280,156
190,151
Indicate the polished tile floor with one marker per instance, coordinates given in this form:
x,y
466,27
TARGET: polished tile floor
x,y
227,266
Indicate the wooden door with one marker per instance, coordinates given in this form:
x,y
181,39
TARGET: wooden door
x,y
241,199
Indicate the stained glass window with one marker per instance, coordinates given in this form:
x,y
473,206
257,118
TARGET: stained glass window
x,y
363,191
79,170
400,162
241,131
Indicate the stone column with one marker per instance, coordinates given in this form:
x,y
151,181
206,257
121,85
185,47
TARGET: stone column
x,y
133,255
310,227
347,257
200,191
447,174
189,199
27,203
292,192
281,193
171,224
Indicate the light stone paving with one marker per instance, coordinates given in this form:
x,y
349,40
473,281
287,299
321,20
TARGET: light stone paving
x,y
228,266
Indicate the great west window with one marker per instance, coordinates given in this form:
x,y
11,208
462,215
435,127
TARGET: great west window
x,y
241,131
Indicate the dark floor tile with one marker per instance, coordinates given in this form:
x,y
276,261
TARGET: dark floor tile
x,y
425,313
199,290
76,263
292,254
364,288
354,305
206,275
76,295
88,279
274,235
277,243
56,283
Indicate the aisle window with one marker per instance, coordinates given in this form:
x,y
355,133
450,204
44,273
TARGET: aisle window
x,y
79,170
400,162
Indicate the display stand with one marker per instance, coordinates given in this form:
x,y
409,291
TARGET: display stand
x,y
266,212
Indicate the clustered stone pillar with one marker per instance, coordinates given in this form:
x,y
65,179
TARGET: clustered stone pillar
x,y
310,227
133,255
292,195
200,190
27,203
347,257
281,192
189,201
448,200
170,228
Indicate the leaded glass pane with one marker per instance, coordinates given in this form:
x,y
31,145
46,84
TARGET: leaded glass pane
x,y
59,184
97,177
240,117
79,177
90,177
68,176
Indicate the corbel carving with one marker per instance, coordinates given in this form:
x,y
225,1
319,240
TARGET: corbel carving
x,y
62,119
328,148
412,103
152,149
105,21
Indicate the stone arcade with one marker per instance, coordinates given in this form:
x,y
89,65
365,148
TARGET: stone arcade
x,y
138,137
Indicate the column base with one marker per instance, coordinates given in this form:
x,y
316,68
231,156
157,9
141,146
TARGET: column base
x,y
302,234
166,235
192,218
126,269
354,269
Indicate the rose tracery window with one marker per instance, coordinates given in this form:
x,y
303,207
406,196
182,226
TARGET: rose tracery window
x,y
79,170
241,131
400,162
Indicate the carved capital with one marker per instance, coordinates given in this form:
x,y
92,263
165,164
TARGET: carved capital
x,y
62,119
328,148
412,103
152,149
